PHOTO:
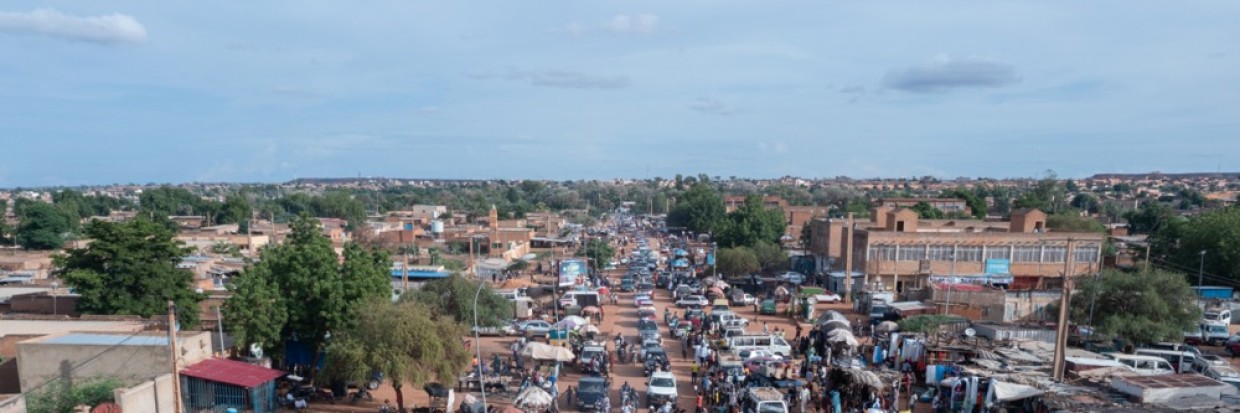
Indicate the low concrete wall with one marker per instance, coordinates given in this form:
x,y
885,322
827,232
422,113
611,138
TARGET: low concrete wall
x,y
17,404
154,396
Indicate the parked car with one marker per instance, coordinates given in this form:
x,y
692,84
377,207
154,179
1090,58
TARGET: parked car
x,y
590,393
692,300
768,307
792,277
661,387
533,328
828,297
742,298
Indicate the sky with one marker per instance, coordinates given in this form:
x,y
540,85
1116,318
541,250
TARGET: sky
x,y
97,92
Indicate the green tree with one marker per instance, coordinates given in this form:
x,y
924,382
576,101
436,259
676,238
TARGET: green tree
x,y
1215,232
61,397
770,257
6,230
737,261
976,204
130,268
927,211
235,210
598,252
42,226
1071,221
1047,195
1139,308
166,200
318,293
1086,202
700,209
1151,217
807,236
454,297
404,340
750,224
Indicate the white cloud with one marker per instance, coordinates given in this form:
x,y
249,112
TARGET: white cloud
x,y
710,105
945,73
109,28
556,78
621,23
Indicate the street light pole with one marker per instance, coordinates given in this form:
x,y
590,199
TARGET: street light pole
x,y
951,275
1200,276
55,285
478,346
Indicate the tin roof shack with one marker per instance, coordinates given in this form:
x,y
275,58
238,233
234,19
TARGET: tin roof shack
x,y
126,357
1004,332
217,384
1171,388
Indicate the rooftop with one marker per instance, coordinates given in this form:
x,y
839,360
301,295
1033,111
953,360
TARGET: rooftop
x,y
49,327
231,372
88,339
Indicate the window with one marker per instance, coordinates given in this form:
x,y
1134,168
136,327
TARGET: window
x,y
883,253
1054,254
940,253
1001,253
912,253
969,254
1086,254
1026,254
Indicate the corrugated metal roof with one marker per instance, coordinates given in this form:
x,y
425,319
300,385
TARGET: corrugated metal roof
x,y
232,372
107,340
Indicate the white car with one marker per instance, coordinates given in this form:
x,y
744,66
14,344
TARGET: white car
x,y
641,299
792,277
692,300
754,354
532,328
661,387
827,297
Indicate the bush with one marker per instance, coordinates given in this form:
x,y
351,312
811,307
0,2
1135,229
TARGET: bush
x,y
59,397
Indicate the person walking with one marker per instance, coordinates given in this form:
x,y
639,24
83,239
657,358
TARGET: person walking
x,y
568,394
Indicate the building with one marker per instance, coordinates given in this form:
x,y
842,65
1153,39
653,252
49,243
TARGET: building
x,y
732,202
898,250
947,205
217,384
127,357
799,216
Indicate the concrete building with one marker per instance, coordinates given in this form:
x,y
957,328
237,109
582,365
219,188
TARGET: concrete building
x,y
130,358
730,203
947,205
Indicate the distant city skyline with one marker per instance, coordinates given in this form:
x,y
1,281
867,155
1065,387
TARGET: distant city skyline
x,y
136,92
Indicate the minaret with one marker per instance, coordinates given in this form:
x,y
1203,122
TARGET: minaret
x,y
493,218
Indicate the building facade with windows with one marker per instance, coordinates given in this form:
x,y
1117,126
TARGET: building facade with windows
x,y
897,252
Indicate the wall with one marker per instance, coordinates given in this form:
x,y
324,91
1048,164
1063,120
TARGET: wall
x,y
40,303
1028,305
16,404
152,396
39,362
9,378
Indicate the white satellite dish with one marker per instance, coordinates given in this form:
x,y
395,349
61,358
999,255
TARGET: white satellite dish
x,y
970,332
256,350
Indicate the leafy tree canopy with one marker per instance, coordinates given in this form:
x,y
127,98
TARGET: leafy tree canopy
x,y
1074,222
404,340
1139,308
770,257
300,288
1151,217
61,397
750,224
42,226
700,209
454,297
927,211
737,261
130,268
598,253
1216,232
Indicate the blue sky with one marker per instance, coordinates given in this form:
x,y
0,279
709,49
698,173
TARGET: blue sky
x,y
126,91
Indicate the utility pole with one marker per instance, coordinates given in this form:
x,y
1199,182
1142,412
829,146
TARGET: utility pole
x,y
404,264
951,279
1061,330
175,351
219,326
848,253
1201,277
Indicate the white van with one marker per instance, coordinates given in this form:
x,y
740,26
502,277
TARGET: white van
x,y
1222,316
764,400
1144,365
772,343
1182,361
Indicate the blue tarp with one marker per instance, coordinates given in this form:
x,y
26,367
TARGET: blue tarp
x,y
415,274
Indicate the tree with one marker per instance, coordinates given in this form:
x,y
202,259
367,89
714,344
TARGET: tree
x,y
63,397
236,210
598,252
130,268
454,297
1047,195
1073,222
317,293
770,257
927,211
699,210
1151,217
42,226
975,202
6,230
807,236
750,224
1139,308
1215,232
737,261
1086,202
404,340
166,200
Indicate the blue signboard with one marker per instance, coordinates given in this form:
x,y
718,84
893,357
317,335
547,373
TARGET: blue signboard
x,y
710,259
998,266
